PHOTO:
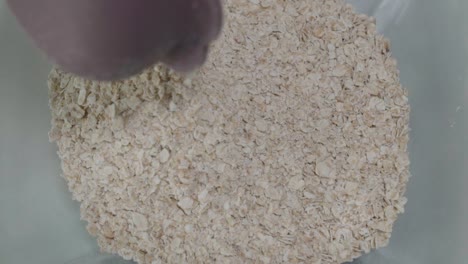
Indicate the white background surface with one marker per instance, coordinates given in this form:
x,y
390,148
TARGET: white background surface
x,y
40,224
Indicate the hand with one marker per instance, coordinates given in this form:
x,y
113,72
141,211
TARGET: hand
x,y
113,39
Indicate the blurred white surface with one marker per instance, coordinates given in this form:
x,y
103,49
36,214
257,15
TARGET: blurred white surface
x,y
40,224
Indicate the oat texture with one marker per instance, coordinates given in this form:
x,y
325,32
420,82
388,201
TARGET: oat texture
x,y
289,146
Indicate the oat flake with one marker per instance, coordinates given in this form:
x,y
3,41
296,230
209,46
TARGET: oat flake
x,y
289,146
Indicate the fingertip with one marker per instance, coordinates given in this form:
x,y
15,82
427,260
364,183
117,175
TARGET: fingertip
x,y
115,39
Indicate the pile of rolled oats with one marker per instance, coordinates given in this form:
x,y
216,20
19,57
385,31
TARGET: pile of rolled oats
x,y
289,146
